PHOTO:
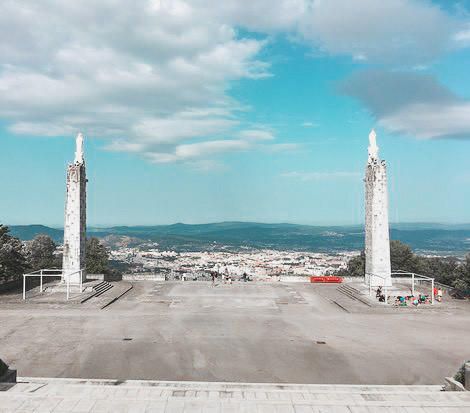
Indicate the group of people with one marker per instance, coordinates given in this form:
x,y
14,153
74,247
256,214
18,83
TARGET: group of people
x,y
226,278
414,299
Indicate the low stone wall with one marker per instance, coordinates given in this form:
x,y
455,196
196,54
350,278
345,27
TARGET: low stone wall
x,y
294,278
143,277
99,277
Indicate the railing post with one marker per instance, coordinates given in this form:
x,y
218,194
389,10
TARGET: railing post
x,y
68,287
24,287
413,284
40,283
81,281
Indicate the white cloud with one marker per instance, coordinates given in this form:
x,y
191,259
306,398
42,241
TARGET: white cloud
x,y
321,176
153,76
258,15
150,76
179,127
256,134
309,124
413,104
403,31
194,151
398,31
463,37
427,121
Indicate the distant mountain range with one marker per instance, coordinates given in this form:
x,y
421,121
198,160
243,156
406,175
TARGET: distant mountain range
x,y
422,237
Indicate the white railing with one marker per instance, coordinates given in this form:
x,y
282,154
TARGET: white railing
x,y
384,278
53,272
415,277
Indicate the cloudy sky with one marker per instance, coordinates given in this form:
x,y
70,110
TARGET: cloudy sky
x,y
203,110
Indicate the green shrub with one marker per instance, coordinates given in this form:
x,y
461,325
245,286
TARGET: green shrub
x,y
3,367
460,375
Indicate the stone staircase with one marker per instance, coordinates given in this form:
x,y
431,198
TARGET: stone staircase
x,y
98,290
101,288
78,395
354,293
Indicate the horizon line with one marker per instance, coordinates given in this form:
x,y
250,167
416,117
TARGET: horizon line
x,y
104,226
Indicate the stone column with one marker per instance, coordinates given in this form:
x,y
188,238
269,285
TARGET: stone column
x,y
75,218
377,248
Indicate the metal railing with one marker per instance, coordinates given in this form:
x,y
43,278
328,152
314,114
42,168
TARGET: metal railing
x,y
384,278
53,272
415,277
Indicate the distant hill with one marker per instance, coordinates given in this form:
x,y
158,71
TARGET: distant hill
x,y
423,238
28,232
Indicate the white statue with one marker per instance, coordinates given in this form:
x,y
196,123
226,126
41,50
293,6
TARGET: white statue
x,y
79,149
373,148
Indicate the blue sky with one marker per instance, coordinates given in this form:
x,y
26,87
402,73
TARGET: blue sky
x,y
195,112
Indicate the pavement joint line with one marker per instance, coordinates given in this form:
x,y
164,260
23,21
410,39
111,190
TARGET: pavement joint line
x,y
390,403
62,380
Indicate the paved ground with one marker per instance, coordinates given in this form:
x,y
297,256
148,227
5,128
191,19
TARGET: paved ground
x,y
56,395
291,333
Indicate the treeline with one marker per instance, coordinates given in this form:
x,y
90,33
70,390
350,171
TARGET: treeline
x,y
446,270
18,258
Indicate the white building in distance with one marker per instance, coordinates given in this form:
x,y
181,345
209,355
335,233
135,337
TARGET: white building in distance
x,y
377,248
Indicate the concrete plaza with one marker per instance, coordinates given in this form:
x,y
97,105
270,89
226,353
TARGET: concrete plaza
x,y
245,332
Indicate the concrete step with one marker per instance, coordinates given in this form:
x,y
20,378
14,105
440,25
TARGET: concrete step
x,y
102,288
195,385
60,395
107,295
353,293
98,290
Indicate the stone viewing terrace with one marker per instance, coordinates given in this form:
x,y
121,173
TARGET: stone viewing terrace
x,y
244,332
190,346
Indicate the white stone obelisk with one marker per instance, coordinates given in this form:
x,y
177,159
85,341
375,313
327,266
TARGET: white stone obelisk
x,y
75,218
377,248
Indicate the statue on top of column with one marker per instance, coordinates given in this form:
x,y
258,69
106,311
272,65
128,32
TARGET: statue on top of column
x,y
373,148
79,149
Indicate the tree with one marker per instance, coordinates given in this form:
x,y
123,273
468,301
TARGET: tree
x,y
3,368
462,281
97,257
12,260
356,267
40,253
402,257
446,270
443,269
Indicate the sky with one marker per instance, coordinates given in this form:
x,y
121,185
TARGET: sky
x,y
202,111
